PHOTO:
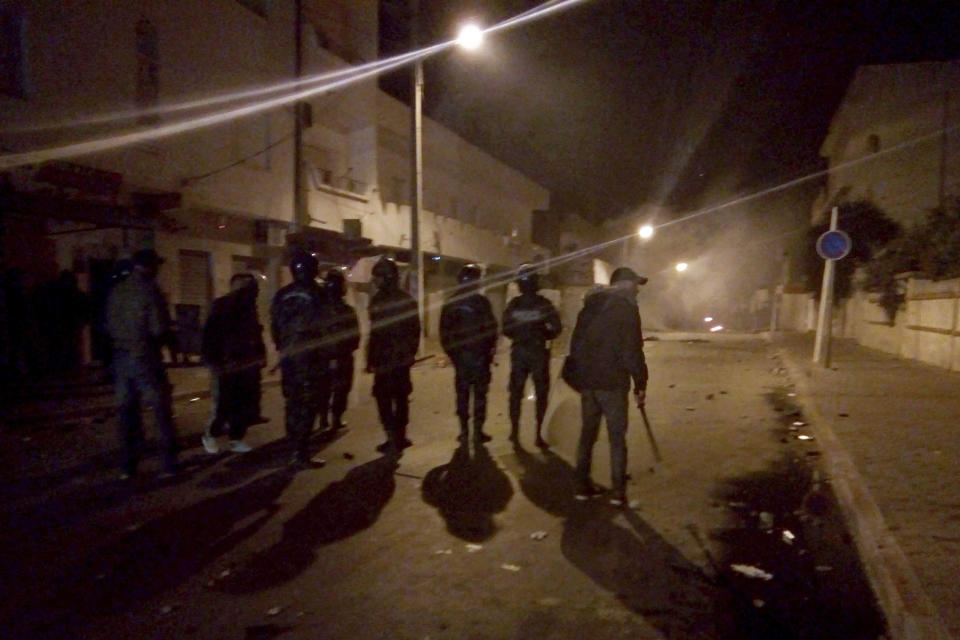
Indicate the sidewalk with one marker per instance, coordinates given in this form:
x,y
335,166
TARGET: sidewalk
x,y
888,428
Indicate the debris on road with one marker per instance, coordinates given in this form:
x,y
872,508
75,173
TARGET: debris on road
x,y
751,571
473,548
788,536
272,611
443,552
510,567
538,535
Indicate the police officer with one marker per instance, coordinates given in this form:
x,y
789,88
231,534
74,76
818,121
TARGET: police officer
x,y
391,350
342,339
530,321
468,334
297,322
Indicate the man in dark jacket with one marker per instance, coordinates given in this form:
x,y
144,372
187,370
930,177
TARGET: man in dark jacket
x,y
530,321
297,322
607,346
138,323
233,349
468,334
391,350
341,340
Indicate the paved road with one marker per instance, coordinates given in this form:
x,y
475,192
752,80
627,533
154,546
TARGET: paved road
x,y
487,544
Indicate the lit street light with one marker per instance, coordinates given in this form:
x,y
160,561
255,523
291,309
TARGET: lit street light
x,y
470,37
681,267
645,232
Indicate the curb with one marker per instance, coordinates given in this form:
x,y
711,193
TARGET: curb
x,y
910,613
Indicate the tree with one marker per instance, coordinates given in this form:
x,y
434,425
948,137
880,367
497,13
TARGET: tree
x,y
869,229
930,247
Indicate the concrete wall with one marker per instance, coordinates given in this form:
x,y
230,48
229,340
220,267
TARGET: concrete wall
x,y
927,328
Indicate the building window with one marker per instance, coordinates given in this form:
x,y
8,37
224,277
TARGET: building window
x,y
259,7
873,143
13,52
148,69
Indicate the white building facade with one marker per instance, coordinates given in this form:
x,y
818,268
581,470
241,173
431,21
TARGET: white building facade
x,y
218,199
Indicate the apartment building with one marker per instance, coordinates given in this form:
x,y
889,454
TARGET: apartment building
x,y
217,198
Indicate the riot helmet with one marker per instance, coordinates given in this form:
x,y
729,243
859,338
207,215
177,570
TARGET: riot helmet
x,y
334,283
304,267
527,279
469,274
385,270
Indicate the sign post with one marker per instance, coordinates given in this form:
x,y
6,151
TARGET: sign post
x,y
832,245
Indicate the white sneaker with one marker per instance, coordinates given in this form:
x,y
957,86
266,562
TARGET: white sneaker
x,y
239,446
209,443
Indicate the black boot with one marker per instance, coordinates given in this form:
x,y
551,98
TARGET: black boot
x,y
478,434
540,441
464,431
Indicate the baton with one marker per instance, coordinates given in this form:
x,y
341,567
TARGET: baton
x,y
653,442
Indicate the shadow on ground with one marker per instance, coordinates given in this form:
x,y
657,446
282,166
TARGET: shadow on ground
x,y
622,554
467,492
342,509
146,561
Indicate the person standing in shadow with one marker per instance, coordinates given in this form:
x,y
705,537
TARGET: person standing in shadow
x,y
233,349
530,321
391,350
468,334
607,347
139,324
342,339
297,321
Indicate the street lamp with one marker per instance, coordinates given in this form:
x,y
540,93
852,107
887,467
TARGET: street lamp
x,y
645,232
681,267
471,36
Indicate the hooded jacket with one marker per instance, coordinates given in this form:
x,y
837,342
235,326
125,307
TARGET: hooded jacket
x,y
607,342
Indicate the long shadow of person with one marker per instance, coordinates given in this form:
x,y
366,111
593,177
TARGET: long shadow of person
x,y
649,576
342,509
147,561
468,492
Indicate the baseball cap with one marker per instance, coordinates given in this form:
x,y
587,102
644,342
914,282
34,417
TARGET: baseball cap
x,y
626,273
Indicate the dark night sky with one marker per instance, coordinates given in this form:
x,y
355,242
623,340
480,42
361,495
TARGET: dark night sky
x,y
618,103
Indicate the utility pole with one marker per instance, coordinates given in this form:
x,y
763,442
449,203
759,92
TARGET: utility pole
x,y
299,202
821,347
416,164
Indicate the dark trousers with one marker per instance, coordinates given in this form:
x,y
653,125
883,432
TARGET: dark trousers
x,y
301,400
334,393
236,401
612,405
139,381
533,362
472,378
392,390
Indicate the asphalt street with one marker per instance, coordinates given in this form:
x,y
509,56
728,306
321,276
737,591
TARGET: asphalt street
x,y
734,535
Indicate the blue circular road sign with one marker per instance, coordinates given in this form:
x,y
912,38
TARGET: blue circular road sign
x,y
833,245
